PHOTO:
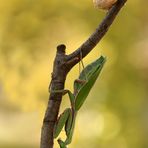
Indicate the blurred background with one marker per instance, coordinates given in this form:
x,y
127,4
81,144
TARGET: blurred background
x,y
115,114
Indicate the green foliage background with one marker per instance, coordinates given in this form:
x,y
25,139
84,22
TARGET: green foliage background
x,y
115,114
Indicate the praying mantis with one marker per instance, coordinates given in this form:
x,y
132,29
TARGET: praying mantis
x,y
82,87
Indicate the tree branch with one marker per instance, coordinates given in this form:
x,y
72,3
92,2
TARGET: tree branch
x,y
62,65
94,39
57,83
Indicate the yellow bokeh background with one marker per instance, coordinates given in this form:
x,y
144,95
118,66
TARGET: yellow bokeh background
x,y
115,114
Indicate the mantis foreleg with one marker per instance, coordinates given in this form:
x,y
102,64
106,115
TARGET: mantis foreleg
x,y
61,122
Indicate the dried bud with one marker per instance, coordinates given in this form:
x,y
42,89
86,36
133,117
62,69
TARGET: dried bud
x,y
104,4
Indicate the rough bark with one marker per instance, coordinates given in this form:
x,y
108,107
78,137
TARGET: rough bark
x,y
62,65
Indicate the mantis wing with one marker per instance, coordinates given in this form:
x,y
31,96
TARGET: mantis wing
x,y
92,72
87,72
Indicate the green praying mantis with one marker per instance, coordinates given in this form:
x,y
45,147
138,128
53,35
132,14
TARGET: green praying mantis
x,y
82,87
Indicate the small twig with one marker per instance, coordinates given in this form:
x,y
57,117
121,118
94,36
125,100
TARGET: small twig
x,y
62,65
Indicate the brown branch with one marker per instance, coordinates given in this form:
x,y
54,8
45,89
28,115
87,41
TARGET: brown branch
x,y
57,83
99,33
62,65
